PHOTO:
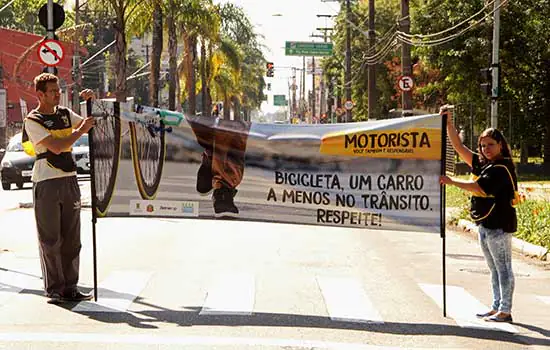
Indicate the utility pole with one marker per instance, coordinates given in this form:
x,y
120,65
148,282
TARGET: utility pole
x,y
406,57
495,66
371,73
293,114
313,100
322,82
76,60
347,83
303,90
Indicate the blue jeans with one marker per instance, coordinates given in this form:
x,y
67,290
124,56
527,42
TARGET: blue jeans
x,y
497,249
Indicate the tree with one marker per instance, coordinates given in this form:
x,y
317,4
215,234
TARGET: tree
x,y
156,53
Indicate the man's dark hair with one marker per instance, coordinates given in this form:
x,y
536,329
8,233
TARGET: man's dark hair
x,y
41,80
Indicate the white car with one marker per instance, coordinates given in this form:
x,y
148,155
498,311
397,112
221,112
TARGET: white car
x,y
81,155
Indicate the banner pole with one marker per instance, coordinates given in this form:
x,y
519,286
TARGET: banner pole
x,y
93,197
443,206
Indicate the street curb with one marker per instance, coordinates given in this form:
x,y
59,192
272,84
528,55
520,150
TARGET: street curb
x,y
518,245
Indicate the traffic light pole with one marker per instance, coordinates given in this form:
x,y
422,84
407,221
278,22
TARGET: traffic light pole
x,y
50,30
495,65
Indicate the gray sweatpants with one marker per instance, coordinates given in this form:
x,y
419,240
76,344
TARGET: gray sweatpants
x,y
57,214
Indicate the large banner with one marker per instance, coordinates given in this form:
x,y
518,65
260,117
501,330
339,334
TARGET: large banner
x,y
377,175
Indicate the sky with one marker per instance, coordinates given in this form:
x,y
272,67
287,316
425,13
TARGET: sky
x,y
286,20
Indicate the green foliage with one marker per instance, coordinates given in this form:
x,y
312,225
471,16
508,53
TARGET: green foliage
x,y
23,15
534,222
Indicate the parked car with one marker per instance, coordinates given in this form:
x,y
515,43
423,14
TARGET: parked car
x,y
16,165
81,155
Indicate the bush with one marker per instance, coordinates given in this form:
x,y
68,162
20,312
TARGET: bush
x,y
534,222
533,216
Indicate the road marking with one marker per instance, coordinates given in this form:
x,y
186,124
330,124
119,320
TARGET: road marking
x,y
15,278
230,294
11,284
142,339
117,292
544,299
462,307
346,300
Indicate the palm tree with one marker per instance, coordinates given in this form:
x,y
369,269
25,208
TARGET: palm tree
x,y
156,53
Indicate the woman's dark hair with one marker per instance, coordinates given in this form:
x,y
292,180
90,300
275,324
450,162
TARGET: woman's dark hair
x,y
496,135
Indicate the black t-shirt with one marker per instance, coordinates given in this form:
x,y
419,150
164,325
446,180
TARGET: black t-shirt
x,y
496,210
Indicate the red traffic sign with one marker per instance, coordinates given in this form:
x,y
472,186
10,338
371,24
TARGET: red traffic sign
x,y
406,83
348,105
50,52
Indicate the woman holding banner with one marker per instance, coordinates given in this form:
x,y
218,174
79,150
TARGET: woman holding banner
x,y
493,187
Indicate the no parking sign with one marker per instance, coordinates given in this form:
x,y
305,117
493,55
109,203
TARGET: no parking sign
x,y
406,83
50,52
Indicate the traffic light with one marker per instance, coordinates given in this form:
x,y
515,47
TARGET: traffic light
x,y
268,86
269,69
487,81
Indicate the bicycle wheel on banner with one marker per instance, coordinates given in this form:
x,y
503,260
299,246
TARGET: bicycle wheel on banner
x,y
106,154
148,150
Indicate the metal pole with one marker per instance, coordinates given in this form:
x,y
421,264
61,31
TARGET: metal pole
x,y
50,31
93,195
371,73
348,59
495,65
442,211
406,56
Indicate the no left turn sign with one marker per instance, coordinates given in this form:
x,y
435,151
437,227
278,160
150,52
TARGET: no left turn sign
x,y
50,52
406,83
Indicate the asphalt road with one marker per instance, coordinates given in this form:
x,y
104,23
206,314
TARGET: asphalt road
x,y
207,284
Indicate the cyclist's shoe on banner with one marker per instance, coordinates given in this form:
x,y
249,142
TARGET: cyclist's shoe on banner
x,y
204,175
224,205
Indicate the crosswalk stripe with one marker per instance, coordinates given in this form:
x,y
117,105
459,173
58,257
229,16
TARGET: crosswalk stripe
x,y
10,284
116,292
462,307
230,294
544,299
346,300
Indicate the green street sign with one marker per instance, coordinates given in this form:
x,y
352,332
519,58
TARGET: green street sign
x,y
298,48
279,100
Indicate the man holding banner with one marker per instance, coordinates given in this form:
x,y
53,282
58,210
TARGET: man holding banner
x,y
51,130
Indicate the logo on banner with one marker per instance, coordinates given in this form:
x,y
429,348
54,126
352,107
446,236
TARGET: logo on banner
x,y
164,208
420,143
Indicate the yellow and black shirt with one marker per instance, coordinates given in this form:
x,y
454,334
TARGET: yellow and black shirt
x,y
37,127
494,208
